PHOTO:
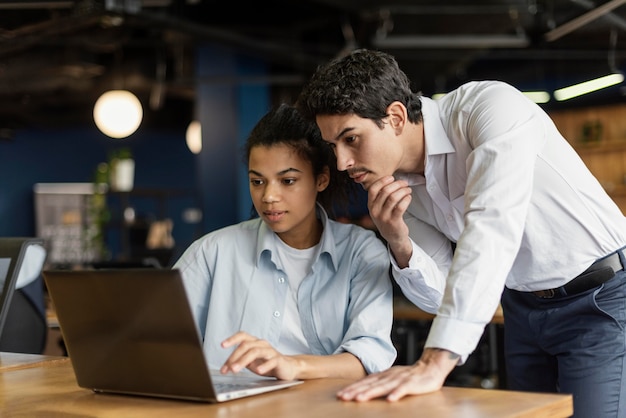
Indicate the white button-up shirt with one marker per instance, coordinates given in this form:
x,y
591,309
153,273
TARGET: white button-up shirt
x,y
523,209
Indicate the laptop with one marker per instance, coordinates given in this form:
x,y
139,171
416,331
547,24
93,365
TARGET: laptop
x,y
131,331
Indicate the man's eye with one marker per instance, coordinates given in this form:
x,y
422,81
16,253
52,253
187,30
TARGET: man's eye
x,y
350,139
289,181
256,182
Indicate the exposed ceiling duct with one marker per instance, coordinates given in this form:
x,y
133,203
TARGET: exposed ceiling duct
x,y
56,57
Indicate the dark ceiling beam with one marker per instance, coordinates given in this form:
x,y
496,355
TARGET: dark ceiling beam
x,y
582,20
277,52
58,5
452,41
610,17
29,36
36,5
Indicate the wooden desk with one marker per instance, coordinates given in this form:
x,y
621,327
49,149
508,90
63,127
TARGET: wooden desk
x,y
11,361
51,390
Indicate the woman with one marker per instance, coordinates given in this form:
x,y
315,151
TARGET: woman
x,y
292,294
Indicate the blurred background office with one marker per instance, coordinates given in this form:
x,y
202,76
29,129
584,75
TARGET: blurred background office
x,y
219,66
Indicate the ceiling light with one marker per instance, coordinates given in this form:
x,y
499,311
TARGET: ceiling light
x,y
537,96
194,137
118,113
588,86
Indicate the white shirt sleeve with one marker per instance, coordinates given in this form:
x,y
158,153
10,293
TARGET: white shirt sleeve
x,y
505,134
423,282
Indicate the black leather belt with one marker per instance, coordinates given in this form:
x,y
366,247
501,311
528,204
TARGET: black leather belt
x,y
599,272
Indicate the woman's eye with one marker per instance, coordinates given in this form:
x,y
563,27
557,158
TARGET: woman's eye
x,y
289,181
350,139
256,182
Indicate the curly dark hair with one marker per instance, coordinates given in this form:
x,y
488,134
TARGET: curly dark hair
x,y
284,124
364,83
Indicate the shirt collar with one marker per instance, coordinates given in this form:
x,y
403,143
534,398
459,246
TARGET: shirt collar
x,y
435,137
266,240
436,140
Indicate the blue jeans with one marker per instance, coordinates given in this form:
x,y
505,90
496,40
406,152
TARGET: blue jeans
x,y
573,344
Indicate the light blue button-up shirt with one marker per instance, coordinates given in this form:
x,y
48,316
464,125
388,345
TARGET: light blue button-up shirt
x,y
235,282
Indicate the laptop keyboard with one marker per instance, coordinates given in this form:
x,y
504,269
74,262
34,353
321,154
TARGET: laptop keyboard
x,y
228,387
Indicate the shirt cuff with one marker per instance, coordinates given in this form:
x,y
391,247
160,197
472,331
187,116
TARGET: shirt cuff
x,y
454,335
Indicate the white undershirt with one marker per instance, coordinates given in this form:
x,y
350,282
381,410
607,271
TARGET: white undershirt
x,y
297,265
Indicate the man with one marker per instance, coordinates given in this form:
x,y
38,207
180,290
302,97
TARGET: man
x,y
479,197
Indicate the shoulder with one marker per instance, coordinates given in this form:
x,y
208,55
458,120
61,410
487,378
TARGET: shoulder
x,y
353,234
482,95
481,103
227,241
230,234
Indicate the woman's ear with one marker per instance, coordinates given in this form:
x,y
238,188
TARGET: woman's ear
x,y
323,179
398,116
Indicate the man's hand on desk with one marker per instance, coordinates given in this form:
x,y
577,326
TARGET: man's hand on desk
x,y
427,375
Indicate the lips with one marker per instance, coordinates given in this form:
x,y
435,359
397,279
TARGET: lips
x,y
274,215
358,177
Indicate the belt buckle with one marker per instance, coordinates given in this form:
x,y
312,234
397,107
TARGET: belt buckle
x,y
546,294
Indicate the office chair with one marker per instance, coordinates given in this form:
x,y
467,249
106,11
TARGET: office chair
x,y
23,325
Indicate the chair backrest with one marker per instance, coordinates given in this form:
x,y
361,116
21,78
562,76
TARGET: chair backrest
x,y
12,254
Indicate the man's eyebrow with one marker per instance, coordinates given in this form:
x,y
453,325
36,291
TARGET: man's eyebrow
x,y
343,132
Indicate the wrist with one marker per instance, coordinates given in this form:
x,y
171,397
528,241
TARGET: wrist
x,y
443,360
402,252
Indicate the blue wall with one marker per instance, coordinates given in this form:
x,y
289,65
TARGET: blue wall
x,y
227,111
162,160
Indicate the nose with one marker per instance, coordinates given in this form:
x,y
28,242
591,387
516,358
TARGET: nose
x,y
270,193
344,158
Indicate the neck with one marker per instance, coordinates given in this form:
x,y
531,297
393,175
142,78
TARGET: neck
x,y
414,149
299,240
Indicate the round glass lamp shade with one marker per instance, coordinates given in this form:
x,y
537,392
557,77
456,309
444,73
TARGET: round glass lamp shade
x,y
194,137
118,113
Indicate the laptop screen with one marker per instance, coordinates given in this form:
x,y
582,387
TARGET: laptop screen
x,y
4,269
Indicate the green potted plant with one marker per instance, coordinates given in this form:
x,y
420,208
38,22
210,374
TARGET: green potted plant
x,y
121,170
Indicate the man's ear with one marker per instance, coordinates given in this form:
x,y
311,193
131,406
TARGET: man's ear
x,y
397,116
323,179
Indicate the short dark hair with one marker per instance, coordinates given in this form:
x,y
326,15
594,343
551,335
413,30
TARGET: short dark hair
x,y
364,83
284,124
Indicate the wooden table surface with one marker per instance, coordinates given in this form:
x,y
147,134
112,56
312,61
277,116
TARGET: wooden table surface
x,y
49,389
11,361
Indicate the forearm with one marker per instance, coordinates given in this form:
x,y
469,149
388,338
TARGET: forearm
x,y
343,365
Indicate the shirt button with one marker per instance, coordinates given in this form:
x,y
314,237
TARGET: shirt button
x,y
281,280
276,314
